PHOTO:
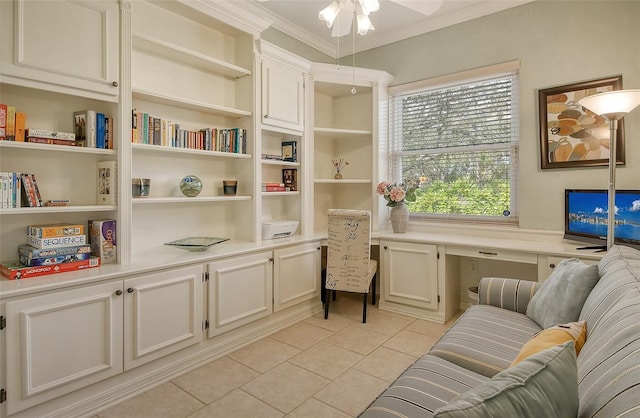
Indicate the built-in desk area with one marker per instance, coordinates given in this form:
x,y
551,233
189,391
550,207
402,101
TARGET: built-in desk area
x,y
427,274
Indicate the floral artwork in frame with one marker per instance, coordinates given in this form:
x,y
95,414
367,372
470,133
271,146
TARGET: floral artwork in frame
x,y
571,135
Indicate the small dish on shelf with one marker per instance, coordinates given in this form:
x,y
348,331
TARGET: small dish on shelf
x,y
196,243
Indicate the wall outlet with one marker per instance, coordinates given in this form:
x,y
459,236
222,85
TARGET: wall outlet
x,y
473,266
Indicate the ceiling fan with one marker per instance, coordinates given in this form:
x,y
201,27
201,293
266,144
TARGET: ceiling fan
x,y
339,14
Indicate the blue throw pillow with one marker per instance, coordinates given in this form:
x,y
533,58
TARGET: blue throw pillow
x,y
560,299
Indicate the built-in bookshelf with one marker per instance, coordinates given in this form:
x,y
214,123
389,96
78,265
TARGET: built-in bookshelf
x,y
202,79
346,125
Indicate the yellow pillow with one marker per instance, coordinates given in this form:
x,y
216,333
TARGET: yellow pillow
x,y
550,337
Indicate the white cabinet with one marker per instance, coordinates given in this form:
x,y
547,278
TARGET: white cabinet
x,y
296,272
61,46
240,291
282,95
61,342
409,274
162,314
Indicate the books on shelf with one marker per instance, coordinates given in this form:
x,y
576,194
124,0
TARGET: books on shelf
x,y
102,239
16,271
84,122
93,129
11,123
148,129
107,177
30,191
56,242
273,187
37,140
48,134
290,151
10,186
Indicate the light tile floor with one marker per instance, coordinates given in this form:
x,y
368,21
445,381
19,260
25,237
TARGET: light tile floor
x,y
316,368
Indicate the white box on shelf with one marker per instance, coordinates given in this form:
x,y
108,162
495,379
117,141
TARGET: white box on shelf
x,y
278,229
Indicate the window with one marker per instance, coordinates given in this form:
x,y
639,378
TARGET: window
x,y
458,137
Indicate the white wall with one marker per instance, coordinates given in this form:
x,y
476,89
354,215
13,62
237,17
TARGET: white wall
x,y
558,43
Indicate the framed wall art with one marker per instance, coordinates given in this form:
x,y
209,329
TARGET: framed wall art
x,y
573,136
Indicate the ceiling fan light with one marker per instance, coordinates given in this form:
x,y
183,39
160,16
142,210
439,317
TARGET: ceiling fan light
x,y
364,24
369,6
329,13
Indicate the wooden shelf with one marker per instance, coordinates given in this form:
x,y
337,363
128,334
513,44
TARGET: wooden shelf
x,y
270,194
56,148
152,200
281,163
203,153
189,104
342,181
193,58
58,209
340,132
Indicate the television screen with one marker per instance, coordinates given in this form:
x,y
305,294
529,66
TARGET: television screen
x,y
586,215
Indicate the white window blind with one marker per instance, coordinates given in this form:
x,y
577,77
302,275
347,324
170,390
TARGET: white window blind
x,y
461,141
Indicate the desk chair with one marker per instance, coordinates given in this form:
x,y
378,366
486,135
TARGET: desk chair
x,y
349,267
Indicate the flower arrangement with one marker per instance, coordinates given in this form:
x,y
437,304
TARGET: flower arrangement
x,y
394,193
339,164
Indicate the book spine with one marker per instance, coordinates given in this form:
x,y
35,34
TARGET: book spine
x,y
36,190
134,126
56,242
43,133
32,252
3,190
21,122
3,121
100,142
37,140
15,272
53,231
11,123
28,195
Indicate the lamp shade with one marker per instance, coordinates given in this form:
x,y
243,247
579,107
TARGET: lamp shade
x,y
612,105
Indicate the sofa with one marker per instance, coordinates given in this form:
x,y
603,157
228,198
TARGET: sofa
x,y
469,371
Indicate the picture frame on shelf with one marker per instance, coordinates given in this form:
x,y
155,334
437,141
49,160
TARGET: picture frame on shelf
x,y
290,179
290,151
572,136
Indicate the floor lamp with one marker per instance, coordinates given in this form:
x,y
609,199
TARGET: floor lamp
x,y
612,106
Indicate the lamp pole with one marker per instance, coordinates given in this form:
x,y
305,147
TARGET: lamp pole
x,y
611,215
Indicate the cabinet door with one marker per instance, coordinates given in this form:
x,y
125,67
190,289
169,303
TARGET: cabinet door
x,y
410,274
282,96
61,342
162,314
53,44
240,291
296,275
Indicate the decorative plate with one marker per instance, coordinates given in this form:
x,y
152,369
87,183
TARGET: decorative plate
x,y
196,243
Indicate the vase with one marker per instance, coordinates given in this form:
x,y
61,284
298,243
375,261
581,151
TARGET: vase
x,y
338,176
399,217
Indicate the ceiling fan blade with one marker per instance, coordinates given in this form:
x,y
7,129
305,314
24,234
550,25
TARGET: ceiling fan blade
x,y
342,24
426,7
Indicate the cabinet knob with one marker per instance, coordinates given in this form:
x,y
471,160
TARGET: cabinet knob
x,y
271,259
266,116
118,292
385,247
318,248
130,290
115,84
552,265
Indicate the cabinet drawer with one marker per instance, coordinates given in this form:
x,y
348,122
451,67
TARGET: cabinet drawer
x,y
493,254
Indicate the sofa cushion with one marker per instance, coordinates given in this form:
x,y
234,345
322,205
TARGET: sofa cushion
x,y
562,295
557,335
543,385
485,339
609,362
428,384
